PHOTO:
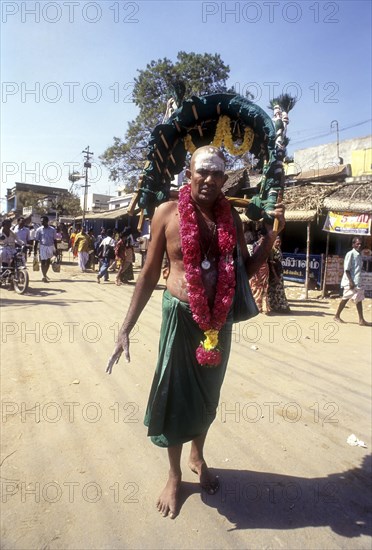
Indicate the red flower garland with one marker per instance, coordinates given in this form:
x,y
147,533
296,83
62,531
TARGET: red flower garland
x,y
210,321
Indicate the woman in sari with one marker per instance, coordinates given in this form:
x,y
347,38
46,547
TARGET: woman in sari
x,y
124,253
276,294
259,283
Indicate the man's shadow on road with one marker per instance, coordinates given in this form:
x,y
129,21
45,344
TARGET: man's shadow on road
x,y
262,500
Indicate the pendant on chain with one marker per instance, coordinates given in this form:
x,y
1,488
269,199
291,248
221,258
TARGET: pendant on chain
x,y
206,264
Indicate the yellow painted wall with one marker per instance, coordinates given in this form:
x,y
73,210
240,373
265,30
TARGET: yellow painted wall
x,y
361,162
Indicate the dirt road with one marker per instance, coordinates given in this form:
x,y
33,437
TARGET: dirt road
x,y
78,471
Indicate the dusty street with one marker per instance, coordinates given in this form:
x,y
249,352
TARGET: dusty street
x,y
78,471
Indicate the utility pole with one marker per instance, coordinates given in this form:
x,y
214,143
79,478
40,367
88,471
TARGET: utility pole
x,y
335,123
87,164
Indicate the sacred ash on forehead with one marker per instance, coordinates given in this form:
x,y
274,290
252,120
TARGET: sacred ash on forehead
x,y
209,160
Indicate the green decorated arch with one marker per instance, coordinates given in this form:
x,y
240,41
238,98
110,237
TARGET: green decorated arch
x,y
228,119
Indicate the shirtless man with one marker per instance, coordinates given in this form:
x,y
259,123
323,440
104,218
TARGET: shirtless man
x,y
183,390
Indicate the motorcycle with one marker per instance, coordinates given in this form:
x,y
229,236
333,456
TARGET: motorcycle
x,y
15,274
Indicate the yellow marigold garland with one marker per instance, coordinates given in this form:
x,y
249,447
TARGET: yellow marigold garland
x,y
211,339
223,135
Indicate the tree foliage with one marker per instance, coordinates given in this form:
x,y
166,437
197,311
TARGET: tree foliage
x,y
67,204
64,204
200,73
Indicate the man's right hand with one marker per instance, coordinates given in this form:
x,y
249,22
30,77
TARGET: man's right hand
x,y
122,345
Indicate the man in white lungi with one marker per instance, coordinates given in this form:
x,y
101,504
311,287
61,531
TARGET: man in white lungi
x,y
351,283
46,236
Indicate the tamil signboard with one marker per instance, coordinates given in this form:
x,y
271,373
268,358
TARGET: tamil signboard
x,y
294,267
348,223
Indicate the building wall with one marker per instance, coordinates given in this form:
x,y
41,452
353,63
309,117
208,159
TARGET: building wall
x,y
12,202
96,201
121,201
361,162
322,156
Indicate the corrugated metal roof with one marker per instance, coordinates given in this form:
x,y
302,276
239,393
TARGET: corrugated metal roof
x,y
107,214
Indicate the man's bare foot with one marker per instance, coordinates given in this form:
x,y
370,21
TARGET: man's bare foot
x,y
365,324
167,503
207,481
338,320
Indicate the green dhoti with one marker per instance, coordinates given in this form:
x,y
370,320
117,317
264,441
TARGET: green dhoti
x,y
184,395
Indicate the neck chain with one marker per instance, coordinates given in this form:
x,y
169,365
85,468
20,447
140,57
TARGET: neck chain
x,y
206,264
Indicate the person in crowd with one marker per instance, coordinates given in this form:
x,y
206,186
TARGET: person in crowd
x,y
8,241
82,244
45,236
23,233
92,255
97,245
277,299
106,252
124,253
75,230
351,283
100,238
259,282
143,247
